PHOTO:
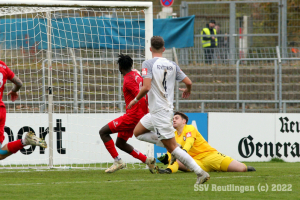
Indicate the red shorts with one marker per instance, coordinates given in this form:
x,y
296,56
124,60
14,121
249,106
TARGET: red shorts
x,y
2,123
124,126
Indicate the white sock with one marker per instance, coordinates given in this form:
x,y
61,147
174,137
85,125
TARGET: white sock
x,y
187,160
117,158
151,137
23,141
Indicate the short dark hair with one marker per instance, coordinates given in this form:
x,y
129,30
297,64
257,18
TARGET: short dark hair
x,y
157,42
125,62
182,115
212,21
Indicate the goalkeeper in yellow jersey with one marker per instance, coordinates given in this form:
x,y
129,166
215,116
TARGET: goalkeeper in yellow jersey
x,y
207,157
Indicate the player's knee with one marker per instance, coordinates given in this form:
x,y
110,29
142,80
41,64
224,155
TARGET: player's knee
x,y
120,145
102,133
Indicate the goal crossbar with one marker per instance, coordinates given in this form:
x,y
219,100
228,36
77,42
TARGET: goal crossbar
x,y
112,4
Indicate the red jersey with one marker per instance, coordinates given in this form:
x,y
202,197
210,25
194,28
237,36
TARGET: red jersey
x,y
5,73
131,87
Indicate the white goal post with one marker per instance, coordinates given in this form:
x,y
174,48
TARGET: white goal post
x,y
65,53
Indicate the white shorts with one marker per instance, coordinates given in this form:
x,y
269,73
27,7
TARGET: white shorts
x,y
160,123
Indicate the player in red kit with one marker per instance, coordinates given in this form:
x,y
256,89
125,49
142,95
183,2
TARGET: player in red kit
x,y
125,124
30,138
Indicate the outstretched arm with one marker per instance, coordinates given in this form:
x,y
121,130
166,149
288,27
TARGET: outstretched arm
x,y
14,92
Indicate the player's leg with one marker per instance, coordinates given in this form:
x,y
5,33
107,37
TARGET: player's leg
x,y
144,131
162,122
104,133
236,166
163,125
108,142
186,159
13,147
178,166
122,144
183,168
216,161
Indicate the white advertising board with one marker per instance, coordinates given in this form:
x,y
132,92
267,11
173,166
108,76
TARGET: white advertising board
x,y
287,136
76,139
255,136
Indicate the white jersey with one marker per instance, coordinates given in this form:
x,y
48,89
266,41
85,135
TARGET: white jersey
x,y
163,73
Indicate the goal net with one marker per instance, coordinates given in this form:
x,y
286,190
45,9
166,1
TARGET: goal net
x,y
66,55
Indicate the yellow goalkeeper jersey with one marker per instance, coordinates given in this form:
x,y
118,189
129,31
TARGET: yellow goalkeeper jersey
x,y
193,142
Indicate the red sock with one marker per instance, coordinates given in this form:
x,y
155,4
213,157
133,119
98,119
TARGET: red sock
x,y
110,146
136,154
15,146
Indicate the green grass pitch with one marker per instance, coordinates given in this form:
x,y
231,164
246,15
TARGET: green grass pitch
x,y
141,184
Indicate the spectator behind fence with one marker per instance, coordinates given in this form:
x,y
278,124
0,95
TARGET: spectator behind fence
x,y
209,41
222,48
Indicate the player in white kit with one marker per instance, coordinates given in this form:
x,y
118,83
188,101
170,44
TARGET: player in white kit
x,y
159,76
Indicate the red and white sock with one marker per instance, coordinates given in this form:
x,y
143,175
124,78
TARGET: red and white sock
x,y
15,146
138,155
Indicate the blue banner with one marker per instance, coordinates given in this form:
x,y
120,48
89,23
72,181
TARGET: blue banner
x,y
177,32
199,120
95,33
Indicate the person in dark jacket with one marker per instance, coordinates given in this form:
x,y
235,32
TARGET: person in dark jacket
x,y
223,46
209,40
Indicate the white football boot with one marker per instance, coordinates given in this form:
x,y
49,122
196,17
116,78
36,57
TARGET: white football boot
x,y
202,177
116,166
31,139
151,164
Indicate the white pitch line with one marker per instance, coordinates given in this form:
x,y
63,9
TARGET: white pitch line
x,y
137,180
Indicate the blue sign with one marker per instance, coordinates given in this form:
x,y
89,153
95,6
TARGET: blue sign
x,y
199,120
166,3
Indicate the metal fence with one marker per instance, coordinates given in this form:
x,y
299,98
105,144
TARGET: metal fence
x,y
262,84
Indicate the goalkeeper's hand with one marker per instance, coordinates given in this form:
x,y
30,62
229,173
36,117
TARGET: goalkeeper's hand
x,y
163,171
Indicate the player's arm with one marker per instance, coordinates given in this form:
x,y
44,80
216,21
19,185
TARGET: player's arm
x,y
181,77
14,91
147,77
186,91
190,140
144,90
188,144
